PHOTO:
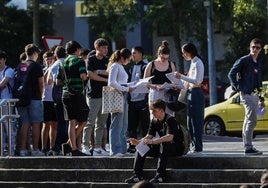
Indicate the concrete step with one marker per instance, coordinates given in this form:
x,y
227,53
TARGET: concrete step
x,y
204,161
113,185
119,175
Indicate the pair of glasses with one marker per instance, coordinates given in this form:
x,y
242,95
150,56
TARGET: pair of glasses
x,y
256,47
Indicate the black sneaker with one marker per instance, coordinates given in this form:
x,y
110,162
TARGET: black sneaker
x,y
252,151
134,179
66,149
157,179
78,153
131,149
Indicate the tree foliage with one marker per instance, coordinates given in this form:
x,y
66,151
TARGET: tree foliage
x,y
17,28
110,18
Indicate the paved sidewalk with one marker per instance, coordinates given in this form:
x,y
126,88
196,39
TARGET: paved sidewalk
x,y
214,145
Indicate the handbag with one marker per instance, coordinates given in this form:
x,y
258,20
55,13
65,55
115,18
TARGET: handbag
x,y
112,100
183,96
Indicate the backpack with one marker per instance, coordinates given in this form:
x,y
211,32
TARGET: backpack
x,y
22,88
186,138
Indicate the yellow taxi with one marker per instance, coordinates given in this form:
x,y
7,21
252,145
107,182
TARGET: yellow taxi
x,y
228,116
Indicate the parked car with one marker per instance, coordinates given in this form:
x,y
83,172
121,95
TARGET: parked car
x,y
228,116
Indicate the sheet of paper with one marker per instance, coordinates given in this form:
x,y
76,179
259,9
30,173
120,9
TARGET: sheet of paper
x,y
167,86
141,88
142,148
175,80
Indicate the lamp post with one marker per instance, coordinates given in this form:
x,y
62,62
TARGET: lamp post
x,y
211,62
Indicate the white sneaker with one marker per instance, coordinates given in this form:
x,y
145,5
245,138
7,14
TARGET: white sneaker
x,y
37,153
118,155
100,151
86,150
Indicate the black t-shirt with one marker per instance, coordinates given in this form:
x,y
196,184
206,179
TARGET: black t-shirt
x,y
168,126
97,64
34,74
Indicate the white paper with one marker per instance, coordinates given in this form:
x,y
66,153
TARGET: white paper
x,y
141,85
167,86
142,148
175,80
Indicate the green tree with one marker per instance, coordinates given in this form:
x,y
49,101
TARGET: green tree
x,y
17,28
111,18
249,21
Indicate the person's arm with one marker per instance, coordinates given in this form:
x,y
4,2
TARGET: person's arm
x,y
94,76
41,85
112,80
4,82
232,75
134,141
147,72
166,138
198,76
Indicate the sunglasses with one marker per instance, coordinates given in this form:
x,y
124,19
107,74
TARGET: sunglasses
x,y
256,47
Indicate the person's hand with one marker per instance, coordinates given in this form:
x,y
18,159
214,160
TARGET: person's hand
x,y
131,89
133,141
177,75
147,141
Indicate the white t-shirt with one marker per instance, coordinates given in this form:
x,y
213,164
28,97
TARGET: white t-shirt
x,y
6,93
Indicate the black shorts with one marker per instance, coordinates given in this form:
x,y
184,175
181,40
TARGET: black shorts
x,y
49,111
75,107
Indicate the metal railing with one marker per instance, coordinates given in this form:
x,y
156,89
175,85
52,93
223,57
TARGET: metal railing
x,y
9,104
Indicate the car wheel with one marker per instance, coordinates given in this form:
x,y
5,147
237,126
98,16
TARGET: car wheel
x,y
214,126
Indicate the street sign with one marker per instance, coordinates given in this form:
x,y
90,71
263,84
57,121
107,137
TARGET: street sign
x,y
51,41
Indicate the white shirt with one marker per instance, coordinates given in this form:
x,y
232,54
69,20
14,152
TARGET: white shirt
x,y
118,77
196,73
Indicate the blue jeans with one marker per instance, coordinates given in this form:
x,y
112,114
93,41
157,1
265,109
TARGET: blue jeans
x,y
118,130
195,116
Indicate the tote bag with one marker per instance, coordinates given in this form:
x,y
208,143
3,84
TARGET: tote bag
x,y
112,100
183,96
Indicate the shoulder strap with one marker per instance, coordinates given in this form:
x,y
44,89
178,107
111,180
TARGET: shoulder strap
x,y
152,67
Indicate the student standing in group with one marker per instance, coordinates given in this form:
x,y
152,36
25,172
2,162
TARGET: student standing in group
x,y
118,78
96,70
249,69
195,95
32,114
159,68
138,114
62,128
72,73
49,129
6,85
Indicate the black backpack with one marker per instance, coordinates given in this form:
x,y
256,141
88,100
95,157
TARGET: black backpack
x,y
22,86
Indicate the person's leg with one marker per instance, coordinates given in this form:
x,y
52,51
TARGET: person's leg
x,y
123,136
44,135
88,129
250,103
114,133
144,120
132,120
100,125
36,116
198,105
52,134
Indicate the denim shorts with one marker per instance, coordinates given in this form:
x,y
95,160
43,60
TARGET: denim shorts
x,y
33,113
